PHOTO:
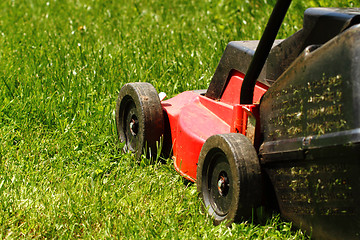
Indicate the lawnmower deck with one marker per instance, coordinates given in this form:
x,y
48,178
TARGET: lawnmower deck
x,y
193,118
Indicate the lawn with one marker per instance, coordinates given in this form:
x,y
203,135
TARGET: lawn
x,y
62,64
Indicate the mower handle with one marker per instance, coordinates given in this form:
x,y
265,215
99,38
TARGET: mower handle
x,y
262,51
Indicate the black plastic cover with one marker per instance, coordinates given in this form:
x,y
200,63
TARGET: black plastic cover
x,y
320,25
310,119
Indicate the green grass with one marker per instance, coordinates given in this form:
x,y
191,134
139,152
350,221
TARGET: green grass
x,y
62,64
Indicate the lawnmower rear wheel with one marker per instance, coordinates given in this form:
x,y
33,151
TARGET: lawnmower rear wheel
x,y
229,177
139,118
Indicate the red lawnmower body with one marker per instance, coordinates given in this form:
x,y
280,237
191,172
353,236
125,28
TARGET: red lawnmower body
x,y
299,147
193,118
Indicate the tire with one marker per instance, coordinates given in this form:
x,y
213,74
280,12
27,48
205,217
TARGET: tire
x,y
139,119
229,178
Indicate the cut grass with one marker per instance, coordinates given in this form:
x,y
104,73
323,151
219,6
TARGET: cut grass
x,y
62,63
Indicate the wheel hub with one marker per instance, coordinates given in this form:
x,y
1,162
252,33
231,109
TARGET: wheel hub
x,y
134,125
223,184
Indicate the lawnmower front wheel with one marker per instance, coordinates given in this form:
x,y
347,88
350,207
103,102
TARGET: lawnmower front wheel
x,y
229,178
139,118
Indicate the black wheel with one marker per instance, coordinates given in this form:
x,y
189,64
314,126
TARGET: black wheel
x,y
139,118
229,177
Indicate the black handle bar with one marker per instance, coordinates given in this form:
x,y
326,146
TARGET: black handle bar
x,y
262,51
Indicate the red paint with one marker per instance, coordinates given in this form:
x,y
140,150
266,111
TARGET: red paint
x,y
193,118
231,94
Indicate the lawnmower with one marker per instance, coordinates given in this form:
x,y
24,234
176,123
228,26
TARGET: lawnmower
x,y
279,116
